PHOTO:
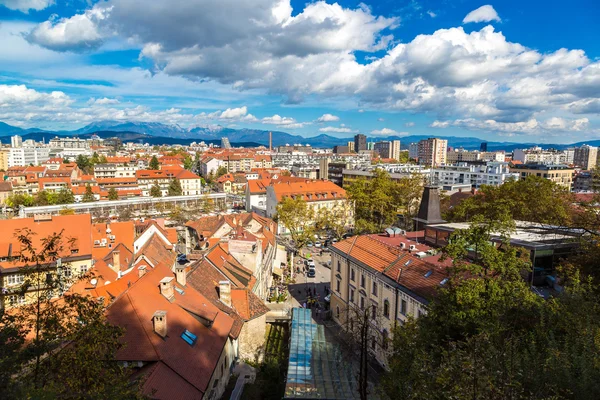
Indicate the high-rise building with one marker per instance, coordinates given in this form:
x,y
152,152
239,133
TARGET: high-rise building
x,y
225,143
413,151
395,152
586,156
16,141
360,142
388,149
483,147
351,146
432,152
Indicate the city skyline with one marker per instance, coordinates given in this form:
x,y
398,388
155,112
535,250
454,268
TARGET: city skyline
x,y
381,69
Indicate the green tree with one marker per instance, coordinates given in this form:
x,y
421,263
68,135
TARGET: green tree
x,y
222,170
188,162
20,199
534,199
154,163
66,211
70,346
155,190
298,219
174,188
337,219
65,196
113,194
88,195
41,198
84,163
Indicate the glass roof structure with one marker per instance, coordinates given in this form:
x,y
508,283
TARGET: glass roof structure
x,y
316,369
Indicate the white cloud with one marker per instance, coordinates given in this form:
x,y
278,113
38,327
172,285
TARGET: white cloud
x,y
482,14
103,101
431,14
285,122
551,126
380,119
77,33
328,118
336,129
409,124
387,132
26,5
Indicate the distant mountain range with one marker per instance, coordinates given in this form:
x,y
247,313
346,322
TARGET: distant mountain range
x,y
157,133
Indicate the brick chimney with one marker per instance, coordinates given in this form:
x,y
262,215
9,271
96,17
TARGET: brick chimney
x,y
141,270
116,260
166,288
180,274
159,321
225,292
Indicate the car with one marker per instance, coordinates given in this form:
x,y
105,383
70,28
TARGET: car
x,y
311,273
309,244
309,263
334,240
317,244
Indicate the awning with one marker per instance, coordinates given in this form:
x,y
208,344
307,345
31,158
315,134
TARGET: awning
x,y
277,271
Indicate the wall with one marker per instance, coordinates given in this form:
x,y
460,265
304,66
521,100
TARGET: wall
x,y
252,339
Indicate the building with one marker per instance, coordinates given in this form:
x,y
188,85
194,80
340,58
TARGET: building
x,y
34,155
6,190
483,147
75,257
490,173
388,149
16,141
557,173
318,194
390,275
413,151
4,155
341,149
351,147
304,148
537,155
225,143
462,155
360,142
115,170
432,152
586,157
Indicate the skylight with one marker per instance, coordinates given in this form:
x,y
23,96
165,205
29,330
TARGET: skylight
x,y
179,290
189,337
406,263
443,282
428,274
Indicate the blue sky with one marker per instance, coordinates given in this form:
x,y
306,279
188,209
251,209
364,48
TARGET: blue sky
x,y
505,71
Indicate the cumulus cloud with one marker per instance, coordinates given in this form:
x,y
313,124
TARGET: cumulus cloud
x,y
334,129
328,118
552,126
409,124
26,5
431,14
77,33
103,101
380,119
286,122
482,14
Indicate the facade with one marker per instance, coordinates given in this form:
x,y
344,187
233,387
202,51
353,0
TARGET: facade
x,y
4,155
360,142
392,277
16,141
114,170
491,173
34,155
537,155
388,149
586,157
559,174
413,151
432,152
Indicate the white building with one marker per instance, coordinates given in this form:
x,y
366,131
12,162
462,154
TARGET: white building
x,y
537,155
16,141
413,151
210,165
27,156
492,174
111,170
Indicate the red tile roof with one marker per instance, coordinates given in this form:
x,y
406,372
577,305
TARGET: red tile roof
x,y
308,190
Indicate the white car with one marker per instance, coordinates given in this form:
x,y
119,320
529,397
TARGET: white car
x,y
317,244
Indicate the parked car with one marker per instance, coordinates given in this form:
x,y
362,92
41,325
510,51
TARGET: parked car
x,y
317,244
311,273
309,244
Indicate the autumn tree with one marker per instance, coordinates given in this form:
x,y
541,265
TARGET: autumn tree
x,y
65,196
222,170
175,188
154,164
298,219
113,194
338,219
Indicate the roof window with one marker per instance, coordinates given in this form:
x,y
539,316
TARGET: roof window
x,y
444,281
428,273
189,337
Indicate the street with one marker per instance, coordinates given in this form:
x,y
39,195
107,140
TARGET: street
x,y
317,284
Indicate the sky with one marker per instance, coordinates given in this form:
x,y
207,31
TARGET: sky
x,y
519,71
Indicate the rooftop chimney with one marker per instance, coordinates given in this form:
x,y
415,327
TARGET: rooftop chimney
x,y
166,288
225,292
180,274
141,270
159,320
116,260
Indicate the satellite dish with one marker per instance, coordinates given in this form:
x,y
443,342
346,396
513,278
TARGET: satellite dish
x,y
94,281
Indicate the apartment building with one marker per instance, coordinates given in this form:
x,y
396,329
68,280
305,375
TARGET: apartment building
x,y
586,157
537,155
432,152
491,174
115,170
4,155
559,174
360,143
319,194
27,155
388,149
392,276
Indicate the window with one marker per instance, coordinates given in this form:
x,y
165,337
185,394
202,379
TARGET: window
x,y
373,311
373,343
189,337
386,309
352,295
374,289
67,272
362,303
15,300
352,277
362,281
337,312
339,266
337,286
15,279
403,307
83,269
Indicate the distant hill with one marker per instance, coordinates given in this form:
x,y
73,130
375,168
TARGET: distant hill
x,y
157,133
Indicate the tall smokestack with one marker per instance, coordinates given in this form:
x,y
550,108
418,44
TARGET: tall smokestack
x,y
270,141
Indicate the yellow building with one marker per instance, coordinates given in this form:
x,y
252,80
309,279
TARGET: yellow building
x,y
560,174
